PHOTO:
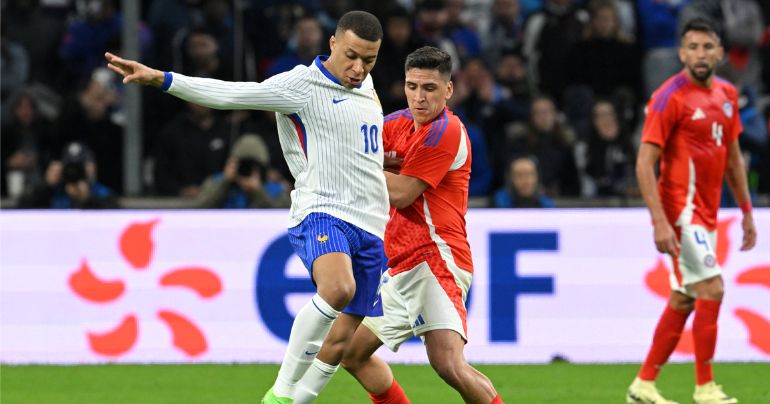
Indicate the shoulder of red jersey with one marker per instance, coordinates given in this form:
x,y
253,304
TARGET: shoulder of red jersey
x,y
666,92
728,87
446,126
400,115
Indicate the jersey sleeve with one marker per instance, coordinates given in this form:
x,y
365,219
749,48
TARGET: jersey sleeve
x,y
661,116
286,93
392,125
431,160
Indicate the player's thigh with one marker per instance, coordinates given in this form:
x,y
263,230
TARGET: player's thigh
x,y
369,263
361,347
697,260
444,347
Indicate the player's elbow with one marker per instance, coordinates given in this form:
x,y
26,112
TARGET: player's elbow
x,y
401,200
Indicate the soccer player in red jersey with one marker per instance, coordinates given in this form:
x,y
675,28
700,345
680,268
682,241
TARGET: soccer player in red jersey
x,y
692,126
430,267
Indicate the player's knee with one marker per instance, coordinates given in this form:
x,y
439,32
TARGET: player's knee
x,y
351,362
337,294
448,370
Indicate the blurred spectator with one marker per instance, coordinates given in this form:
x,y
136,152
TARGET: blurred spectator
x,y
659,39
97,30
192,146
522,187
15,67
481,168
605,63
25,23
26,142
505,32
609,155
90,117
548,37
201,56
511,74
552,143
168,19
244,183
70,183
465,38
432,24
476,92
605,59
305,43
398,42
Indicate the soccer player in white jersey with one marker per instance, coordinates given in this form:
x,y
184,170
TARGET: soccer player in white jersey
x,y
329,124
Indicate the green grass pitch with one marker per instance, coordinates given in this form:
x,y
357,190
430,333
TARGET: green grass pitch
x,y
556,383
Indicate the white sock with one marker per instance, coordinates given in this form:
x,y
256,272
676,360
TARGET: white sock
x,y
308,332
314,380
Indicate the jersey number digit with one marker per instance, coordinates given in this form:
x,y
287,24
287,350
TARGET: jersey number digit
x,y
700,238
716,133
370,137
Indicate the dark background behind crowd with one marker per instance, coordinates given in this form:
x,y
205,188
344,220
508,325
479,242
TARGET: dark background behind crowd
x,y
552,93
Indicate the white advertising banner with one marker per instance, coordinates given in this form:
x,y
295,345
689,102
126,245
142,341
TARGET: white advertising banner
x,y
223,286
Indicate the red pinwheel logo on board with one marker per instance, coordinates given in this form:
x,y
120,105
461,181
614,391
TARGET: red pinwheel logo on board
x,y
136,248
758,327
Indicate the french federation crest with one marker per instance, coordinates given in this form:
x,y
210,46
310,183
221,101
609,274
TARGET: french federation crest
x,y
728,109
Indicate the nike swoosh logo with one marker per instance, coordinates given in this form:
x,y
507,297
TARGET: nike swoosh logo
x,y
310,353
336,101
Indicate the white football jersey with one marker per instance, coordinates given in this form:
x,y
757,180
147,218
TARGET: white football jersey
x,y
331,138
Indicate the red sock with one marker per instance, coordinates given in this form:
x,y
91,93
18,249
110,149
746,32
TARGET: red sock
x,y
393,395
704,332
666,337
497,400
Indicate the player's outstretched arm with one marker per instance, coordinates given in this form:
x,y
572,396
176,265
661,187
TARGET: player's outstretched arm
x,y
133,71
736,181
665,238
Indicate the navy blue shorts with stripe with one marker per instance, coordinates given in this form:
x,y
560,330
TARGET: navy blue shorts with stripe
x,y
321,233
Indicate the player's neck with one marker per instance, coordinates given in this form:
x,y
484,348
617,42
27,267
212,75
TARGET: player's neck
x,y
700,83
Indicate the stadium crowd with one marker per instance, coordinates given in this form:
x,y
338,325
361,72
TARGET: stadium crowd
x,y
552,93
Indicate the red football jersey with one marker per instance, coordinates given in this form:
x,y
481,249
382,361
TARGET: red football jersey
x,y
433,226
693,125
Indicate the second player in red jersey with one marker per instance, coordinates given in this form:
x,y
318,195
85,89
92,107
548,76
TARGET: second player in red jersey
x,y
692,127
430,268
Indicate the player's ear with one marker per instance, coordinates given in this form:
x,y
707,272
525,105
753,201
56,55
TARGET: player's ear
x,y
332,43
449,90
680,52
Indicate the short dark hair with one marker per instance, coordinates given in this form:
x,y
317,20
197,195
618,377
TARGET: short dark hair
x,y
700,24
429,57
363,24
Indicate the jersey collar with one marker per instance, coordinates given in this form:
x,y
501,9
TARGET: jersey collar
x,y
319,64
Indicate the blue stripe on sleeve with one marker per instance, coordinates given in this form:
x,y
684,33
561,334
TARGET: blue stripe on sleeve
x,y
167,79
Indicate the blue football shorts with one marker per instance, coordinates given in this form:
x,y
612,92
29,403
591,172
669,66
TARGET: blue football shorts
x,y
321,233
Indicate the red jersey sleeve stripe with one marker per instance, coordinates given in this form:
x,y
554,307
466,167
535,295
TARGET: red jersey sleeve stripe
x,y
662,98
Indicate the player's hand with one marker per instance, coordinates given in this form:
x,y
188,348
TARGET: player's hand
x,y
133,71
665,239
749,232
392,164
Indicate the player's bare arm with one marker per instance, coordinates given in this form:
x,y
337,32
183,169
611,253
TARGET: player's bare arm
x,y
665,238
403,189
736,181
133,71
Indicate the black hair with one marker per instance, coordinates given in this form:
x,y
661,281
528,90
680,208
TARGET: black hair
x,y
365,25
700,24
429,57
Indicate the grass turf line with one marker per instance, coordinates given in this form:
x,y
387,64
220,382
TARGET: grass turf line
x,y
556,383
